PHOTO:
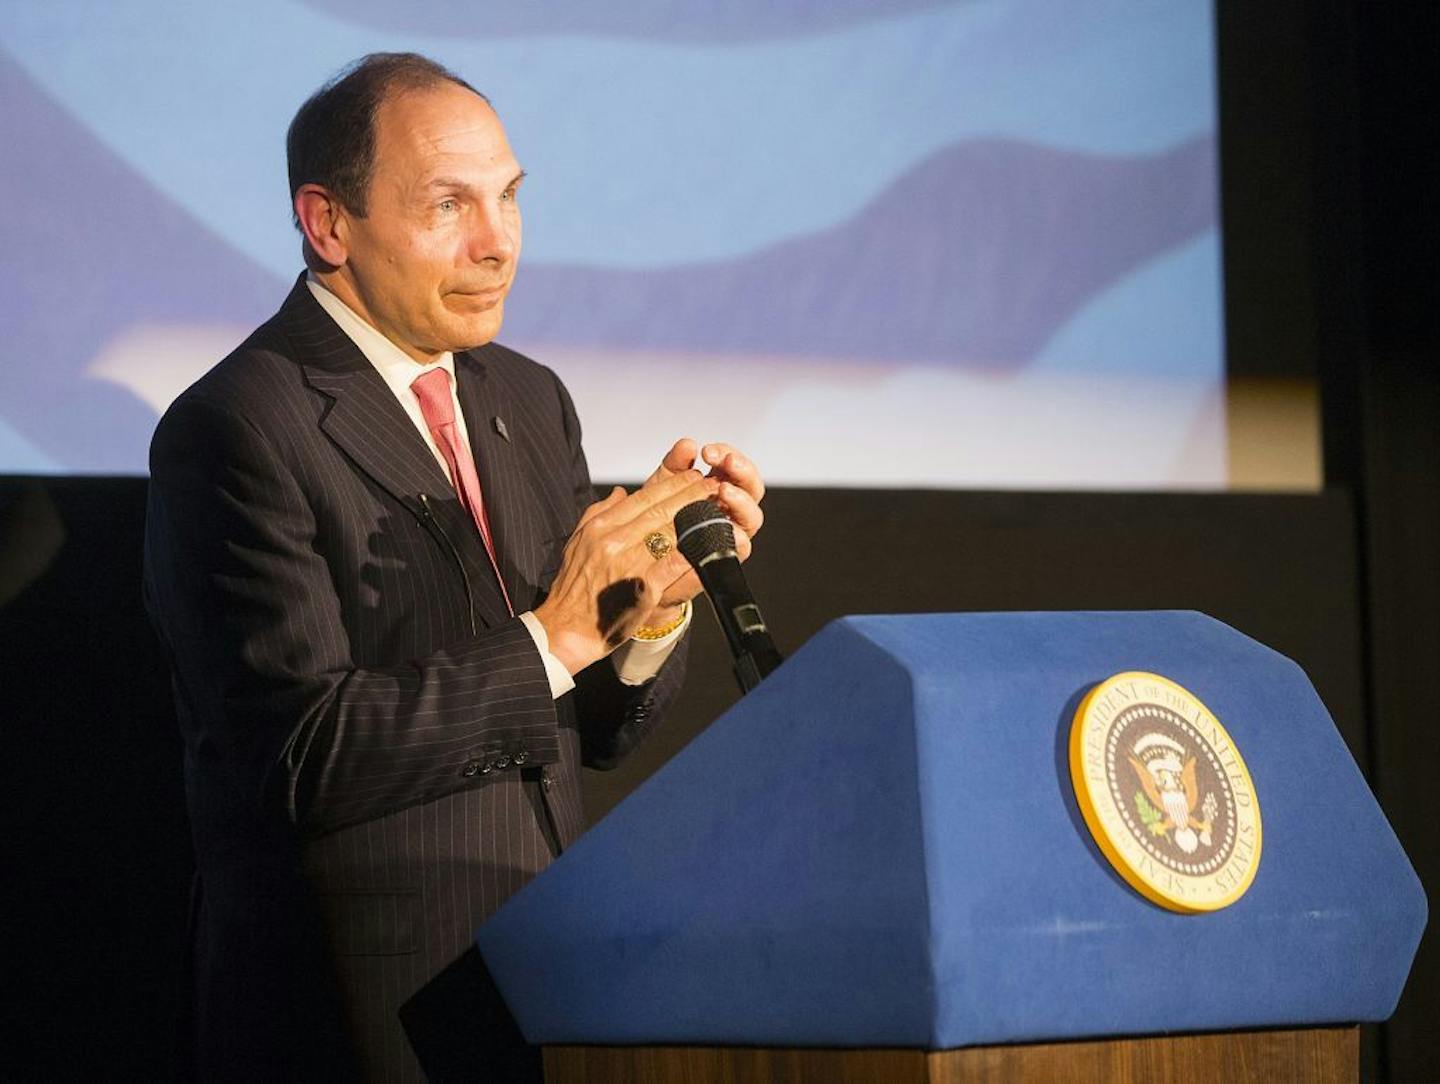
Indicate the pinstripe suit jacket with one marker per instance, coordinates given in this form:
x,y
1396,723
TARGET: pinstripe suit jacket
x,y
374,761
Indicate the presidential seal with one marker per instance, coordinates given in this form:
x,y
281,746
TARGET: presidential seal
x,y
1165,792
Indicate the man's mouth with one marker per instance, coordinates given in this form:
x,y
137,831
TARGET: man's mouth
x,y
483,298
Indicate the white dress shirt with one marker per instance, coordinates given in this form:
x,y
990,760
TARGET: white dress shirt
x,y
635,661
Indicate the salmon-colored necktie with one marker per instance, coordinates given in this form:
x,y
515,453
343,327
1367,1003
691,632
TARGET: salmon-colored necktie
x,y
438,407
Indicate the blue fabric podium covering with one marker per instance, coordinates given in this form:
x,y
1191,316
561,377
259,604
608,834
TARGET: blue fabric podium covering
x,y
880,847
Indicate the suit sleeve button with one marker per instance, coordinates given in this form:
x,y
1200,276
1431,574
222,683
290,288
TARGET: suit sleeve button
x,y
472,768
502,761
486,768
521,757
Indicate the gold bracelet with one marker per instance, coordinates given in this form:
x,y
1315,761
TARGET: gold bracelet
x,y
645,632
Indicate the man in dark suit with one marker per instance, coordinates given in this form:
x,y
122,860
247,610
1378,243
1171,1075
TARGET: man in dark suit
x,y
397,622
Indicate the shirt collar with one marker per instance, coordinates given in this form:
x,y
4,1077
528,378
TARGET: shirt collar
x,y
398,369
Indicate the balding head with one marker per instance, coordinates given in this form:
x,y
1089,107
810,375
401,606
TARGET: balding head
x,y
331,141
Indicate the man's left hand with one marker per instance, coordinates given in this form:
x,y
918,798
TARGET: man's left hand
x,y
741,491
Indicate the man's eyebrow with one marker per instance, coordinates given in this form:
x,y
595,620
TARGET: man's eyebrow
x,y
448,182
455,184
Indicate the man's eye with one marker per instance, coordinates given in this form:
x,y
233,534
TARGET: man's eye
x,y
448,205
509,195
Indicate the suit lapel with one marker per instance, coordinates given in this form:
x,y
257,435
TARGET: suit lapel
x,y
364,419
484,397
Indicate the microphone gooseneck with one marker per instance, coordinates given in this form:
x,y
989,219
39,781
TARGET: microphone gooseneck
x,y
707,539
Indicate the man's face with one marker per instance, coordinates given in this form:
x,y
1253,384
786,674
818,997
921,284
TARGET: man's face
x,y
431,262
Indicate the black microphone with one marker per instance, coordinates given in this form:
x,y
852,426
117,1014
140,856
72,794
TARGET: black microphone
x,y
707,540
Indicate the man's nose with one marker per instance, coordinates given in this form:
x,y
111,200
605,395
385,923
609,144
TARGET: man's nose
x,y
492,237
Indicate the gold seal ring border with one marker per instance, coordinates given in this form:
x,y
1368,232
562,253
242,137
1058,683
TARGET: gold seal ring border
x,y
1109,846
658,544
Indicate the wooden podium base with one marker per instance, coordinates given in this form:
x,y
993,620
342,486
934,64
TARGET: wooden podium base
x,y
1313,1055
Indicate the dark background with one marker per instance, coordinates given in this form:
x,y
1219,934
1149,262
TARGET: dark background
x,y
1329,169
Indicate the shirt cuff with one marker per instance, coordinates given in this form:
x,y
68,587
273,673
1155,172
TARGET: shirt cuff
x,y
560,680
637,661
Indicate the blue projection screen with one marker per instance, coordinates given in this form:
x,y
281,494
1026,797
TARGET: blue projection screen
x,y
873,242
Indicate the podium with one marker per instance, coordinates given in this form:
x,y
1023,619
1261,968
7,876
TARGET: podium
x,y
874,867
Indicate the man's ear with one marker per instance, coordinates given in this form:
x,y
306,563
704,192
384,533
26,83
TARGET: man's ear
x,y
324,223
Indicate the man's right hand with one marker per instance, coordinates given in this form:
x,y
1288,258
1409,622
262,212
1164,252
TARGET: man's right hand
x,y
608,580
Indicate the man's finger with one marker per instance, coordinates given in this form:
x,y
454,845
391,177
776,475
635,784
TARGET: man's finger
x,y
654,505
742,509
666,572
686,588
681,456
742,544
626,509
608,501
660,516
734,466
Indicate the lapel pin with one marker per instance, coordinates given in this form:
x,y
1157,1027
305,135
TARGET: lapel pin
x,y
500,427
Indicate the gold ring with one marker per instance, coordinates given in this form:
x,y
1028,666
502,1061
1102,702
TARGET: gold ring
x,y
657,544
